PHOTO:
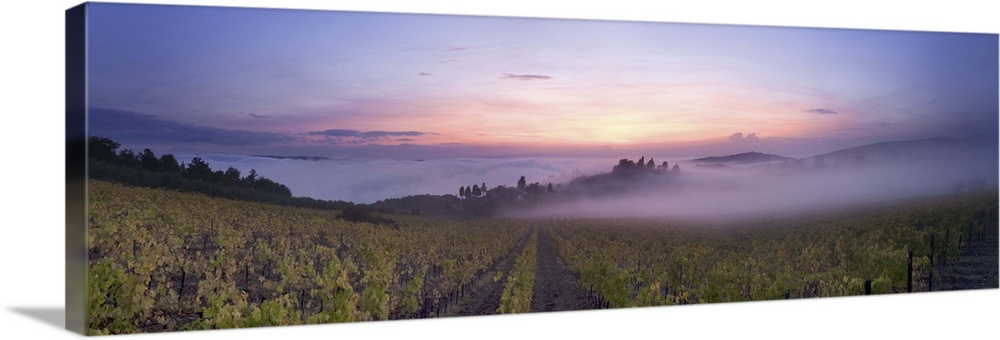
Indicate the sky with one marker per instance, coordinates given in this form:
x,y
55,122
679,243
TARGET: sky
x,y
349,85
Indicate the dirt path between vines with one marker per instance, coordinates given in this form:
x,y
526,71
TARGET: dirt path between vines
x,y
483,298
556,289
977,267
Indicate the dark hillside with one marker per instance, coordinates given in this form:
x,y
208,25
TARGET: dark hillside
x,y
752,157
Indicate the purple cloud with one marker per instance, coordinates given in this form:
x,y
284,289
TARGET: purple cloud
x,y
134,127
822,111
365,134
739,137
525,77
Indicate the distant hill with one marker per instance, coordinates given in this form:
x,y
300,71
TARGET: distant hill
x,y
939,149
425,204
743,158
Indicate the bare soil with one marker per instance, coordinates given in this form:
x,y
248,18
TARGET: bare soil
x,y
976,268
556,288
483,296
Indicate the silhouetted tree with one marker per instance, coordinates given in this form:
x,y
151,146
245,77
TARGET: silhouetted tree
x,y
461,191
198,169
169,164
251,177
231,176
267,185
665,167
103,149
483,188
533,189
107,162
622,166
550,189
476,192
650,164
676,168
521,183
149,160
218,176
127,158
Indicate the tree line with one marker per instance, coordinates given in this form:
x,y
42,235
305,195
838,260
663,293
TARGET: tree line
x,y
523,189
106,161
628,166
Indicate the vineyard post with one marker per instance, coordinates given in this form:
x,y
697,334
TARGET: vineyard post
x,y
970,233
680,278
958,254
302,302
980,225
947,243
909,272
180,291
984,230
930,279
932,250
246,276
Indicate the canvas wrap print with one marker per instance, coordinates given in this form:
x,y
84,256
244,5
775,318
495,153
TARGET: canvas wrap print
x,y
240,167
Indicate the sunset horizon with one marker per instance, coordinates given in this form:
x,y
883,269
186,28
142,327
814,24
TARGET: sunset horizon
x,y
349,84
393,105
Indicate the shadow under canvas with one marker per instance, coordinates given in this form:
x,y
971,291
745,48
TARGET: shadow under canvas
x,y
53,316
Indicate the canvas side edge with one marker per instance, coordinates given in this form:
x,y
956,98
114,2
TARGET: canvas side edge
x,y
76,169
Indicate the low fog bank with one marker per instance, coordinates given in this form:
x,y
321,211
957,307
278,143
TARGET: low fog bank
x,y
769,190
588,187
370,180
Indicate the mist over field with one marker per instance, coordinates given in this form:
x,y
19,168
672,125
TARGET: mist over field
x,y
850,177
751,192
783,188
